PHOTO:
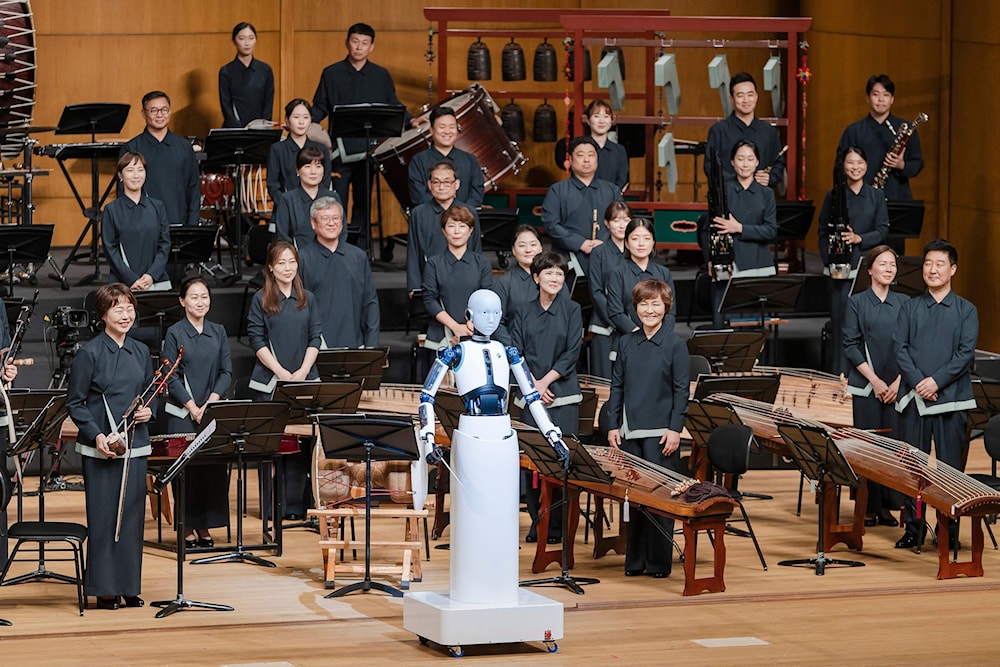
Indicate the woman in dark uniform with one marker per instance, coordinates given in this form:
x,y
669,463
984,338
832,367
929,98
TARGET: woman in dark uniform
x,y
647,407
752,221
284,330
282,172
869,227
108,372
246,85
640,246
517,286
135,231
204,375
605,260
874,376
549,333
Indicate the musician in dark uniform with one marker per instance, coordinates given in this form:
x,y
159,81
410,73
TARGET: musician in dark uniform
x,y
752,221
339,276
548,331
637,266
8,374
873,379
204,376
444,133
109,371
935,342
353,80
743,125
135,231
171,167
875,134
424,237
647,408
517,286
285,333
612,158
282,167
291,220
605,261
571,207
869,227
246,85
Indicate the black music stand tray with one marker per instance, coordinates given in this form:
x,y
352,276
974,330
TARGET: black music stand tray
x,y
24,244
238,147
909,277
370,121
365,365
93,119
371,438
767,294
581,466
158,309
44,414
180,603
191,245
819,458
306,399
793,218
906,219
497,227
762,388
242,428
727,350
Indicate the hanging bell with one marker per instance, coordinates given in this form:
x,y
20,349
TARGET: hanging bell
x,y
545,65
605,50
512,62
587,73
478,65
512,121
545,123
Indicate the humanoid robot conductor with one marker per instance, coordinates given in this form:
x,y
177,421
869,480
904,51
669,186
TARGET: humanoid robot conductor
x,y
484,455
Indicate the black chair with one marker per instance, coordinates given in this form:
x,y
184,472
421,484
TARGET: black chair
x,y
729,453
42,533
991,440
258,240
699,366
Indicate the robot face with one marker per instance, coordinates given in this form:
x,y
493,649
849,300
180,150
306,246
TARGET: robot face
x,y
484,311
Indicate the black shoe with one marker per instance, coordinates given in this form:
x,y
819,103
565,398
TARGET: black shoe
x,y
634,573
133,601
658,575
206,542
554,540
190,543
531,539
294,517
870,521
886,519
907,541
110,602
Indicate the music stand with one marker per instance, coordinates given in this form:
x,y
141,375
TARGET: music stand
x,y
767,294
238,147
245,428
819,458
91,118
728,351
180,603
762,388
497,227
906,219
45,422
353,365
793,218
371,121
24,244
371,438
582,467
987,395
158,309
909,277
191,245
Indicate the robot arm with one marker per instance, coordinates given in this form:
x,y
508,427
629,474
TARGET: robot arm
x,y
445,360
533,402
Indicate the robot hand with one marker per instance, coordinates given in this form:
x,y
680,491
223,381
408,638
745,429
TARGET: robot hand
x,y
435,456
562,451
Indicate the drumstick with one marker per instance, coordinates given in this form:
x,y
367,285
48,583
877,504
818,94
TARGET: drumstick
x,y
593,229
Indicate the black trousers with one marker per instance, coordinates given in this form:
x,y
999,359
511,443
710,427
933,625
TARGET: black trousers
x,y
840,292
948,432
648,543
871,413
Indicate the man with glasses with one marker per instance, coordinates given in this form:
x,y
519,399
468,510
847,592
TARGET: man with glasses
x,y
171,167
425,238
444,134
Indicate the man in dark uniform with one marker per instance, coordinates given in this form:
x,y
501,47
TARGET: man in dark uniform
x,y
935,341
444,134
171,167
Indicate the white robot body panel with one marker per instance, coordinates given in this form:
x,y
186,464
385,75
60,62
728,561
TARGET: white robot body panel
x,y
481,363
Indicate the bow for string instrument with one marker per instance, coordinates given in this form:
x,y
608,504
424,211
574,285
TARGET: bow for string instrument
x,y
117,442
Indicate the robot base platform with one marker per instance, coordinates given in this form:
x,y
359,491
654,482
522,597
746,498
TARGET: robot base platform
x,y
438,618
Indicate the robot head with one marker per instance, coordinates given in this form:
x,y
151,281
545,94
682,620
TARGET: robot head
x,y
484,311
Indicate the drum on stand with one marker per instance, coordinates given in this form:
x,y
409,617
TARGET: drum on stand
x,y
217,189
479,133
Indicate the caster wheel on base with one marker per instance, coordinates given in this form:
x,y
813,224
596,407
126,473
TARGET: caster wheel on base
x,y
551,647
456,651
423,641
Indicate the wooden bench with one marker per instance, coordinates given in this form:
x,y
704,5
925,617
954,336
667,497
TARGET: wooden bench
x,y
331,542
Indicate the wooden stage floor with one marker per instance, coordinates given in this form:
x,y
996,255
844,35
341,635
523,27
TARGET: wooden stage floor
x,y
892,611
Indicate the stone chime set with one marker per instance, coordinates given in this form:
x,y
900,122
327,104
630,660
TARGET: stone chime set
x,y
513,67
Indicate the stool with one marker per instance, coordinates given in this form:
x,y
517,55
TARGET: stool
x,y
42,532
